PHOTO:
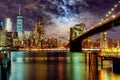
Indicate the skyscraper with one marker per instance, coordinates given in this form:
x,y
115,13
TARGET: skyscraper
x,y
1,24
103,40
20,24
8,25
39,32
3,37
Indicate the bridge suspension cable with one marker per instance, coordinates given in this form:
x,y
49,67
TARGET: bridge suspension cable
x,y
109,13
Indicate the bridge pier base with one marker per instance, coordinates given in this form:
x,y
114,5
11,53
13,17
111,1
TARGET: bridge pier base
x,y
116,65
76,46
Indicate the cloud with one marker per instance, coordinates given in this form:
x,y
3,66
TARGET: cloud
x,y
31,6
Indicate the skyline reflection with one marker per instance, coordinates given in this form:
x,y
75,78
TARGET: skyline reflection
x,y
62,66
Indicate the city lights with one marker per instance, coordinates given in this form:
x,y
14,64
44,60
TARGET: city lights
x,y
113,16
118,1
20,24
107,15
112,9
115,5
102,19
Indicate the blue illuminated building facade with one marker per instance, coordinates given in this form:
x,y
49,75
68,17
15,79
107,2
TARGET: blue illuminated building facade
x,y
20,24
1,24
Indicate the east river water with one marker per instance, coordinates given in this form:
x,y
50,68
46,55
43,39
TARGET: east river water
x,y
58,65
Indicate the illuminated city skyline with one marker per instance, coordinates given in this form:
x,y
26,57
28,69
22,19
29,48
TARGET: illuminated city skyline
x,y
59,15
59,39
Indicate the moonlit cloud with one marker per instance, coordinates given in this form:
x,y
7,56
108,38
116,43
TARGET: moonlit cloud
x,y
31,6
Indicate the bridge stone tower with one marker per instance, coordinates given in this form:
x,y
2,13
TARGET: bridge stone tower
x,y
76,31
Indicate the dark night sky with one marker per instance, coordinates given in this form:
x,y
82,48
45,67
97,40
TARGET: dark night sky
x,y
59,15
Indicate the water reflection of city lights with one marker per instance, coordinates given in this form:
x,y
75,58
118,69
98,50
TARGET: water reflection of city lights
x,y
108,75
19,59
114,52
38,49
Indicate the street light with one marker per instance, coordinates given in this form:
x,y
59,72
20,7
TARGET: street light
x,y
106,15
115,5
118,1
112,9
113,16
102,19
109,12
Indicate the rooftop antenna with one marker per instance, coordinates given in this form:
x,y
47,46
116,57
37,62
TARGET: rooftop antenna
x,y
19,10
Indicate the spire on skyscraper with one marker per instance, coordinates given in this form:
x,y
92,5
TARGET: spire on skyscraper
x,y
20,24
19,10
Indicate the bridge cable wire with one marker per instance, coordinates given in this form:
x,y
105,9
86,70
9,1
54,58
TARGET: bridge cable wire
x,y
111,11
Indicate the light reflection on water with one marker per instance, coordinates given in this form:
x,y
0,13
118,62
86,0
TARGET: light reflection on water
x,y
48,66
75,66
108,75
56,66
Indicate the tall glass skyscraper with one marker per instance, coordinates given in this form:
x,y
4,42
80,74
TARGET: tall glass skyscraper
x,y
20,24
1,24
8,25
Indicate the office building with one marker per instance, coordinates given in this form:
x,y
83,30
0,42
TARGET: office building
x,y
39,32
3,37
103,40
6,38
1,24
20,24
8,25
27,34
